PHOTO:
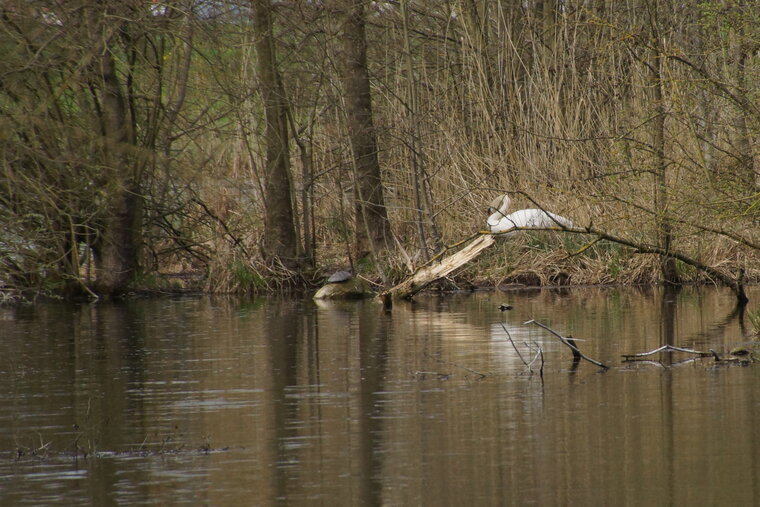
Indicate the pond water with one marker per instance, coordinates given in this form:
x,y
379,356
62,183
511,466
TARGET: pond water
x,y
228,401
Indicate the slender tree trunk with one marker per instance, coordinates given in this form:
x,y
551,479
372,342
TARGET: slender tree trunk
x,y
372,227
280,243
430,239
664,226
546,12
179,93
478,16
307,199
745,139
118,246
480,93
706,128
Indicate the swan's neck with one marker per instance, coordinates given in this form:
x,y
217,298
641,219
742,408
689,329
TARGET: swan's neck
x,y
501,206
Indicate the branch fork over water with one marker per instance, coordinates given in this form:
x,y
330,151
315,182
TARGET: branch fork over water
x,y
570,342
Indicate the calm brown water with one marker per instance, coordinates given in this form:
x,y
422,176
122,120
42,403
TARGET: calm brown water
x,y
216,401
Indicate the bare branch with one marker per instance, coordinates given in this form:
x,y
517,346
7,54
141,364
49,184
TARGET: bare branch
x,y
568,342
667,348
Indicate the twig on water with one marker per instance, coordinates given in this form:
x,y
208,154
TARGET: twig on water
x,y
509,337
649,361
482,375
570,342
668,348
424,374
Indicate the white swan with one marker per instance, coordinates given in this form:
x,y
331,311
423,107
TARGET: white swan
x,y
499,221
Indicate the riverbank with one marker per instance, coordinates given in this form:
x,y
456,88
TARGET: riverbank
x,y
536,259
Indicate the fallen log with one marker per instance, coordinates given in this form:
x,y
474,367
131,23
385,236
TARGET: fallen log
x,y
432,272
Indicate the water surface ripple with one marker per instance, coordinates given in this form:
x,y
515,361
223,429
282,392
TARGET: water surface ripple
x,y
228,401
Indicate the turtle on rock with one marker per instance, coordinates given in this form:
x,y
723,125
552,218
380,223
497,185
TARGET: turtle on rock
x,y
344,285
341,276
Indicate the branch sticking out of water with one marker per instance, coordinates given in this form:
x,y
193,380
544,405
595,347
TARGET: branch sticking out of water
x,y
570,342
509,337
527,364
540,354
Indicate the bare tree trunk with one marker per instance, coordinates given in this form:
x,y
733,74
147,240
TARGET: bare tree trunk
x,y
181,84
422,192
745,139
476,30
478,14
664,227
546,12
280,243
307,198
372,227
117,249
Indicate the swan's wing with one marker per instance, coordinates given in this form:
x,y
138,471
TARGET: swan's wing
x,y
527,218
502,223
559,220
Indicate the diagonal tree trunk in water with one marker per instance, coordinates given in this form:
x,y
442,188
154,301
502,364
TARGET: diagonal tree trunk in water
x,y
117,249
372,227
279,243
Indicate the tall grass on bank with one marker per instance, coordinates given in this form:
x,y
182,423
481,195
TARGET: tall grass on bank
x,y
558,108
552,102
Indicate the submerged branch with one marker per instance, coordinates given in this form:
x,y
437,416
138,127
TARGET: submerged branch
x,y
570,343
481,375
666,348
509,337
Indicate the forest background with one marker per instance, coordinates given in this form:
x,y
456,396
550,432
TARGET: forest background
x,y
245,146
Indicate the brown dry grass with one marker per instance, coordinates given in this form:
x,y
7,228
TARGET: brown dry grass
x,y
558,114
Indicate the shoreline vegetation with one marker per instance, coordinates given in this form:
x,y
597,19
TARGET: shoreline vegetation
x,y
528,263
258,147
